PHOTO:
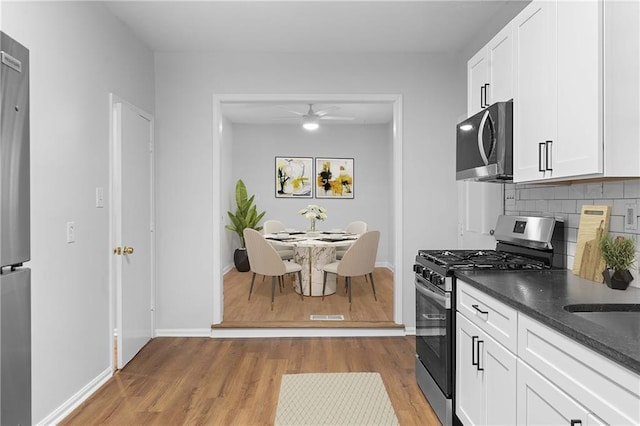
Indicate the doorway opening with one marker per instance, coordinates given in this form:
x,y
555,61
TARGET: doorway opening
x,y
222,141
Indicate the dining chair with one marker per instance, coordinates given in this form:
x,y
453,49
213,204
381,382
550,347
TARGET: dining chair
x,y
358,227
273,227
360,259
264,260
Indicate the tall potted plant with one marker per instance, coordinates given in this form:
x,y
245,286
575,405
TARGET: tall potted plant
x,y
246,216
618,254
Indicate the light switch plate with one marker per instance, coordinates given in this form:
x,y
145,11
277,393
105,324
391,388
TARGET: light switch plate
x,y
99,197
630,217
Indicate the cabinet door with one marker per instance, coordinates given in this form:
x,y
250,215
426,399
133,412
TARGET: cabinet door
x,y
500,53
499,382
535,90
477,77
578,147
542,403
469,380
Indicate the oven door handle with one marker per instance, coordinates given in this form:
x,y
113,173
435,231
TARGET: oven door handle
x,y
428,290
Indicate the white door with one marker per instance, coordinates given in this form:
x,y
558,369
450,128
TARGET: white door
x,y
133,228
479,205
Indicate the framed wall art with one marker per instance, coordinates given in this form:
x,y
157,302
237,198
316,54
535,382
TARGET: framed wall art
x,y
294,177
334,178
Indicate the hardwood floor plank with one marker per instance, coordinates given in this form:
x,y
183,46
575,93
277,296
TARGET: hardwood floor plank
x,y
289,308
203,381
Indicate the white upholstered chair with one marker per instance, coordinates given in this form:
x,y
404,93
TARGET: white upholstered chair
x,y
360,259
273,227
264,260
358,227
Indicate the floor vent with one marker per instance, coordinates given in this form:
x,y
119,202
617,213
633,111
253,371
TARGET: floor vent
x,y
327,317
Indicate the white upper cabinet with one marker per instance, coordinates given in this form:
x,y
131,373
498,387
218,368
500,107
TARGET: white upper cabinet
x,y
489,73
576,91
534,106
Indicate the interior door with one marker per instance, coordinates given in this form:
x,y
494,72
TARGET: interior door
x,y
133,239
479,205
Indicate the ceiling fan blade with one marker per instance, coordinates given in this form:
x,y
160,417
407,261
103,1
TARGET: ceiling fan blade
x,y
285,118
335,118
291,111
325,111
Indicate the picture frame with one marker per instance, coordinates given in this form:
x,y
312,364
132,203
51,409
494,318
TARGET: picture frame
x,y
294,177
334,178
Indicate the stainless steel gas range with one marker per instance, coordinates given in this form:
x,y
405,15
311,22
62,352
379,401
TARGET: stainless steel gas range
x,y
523,243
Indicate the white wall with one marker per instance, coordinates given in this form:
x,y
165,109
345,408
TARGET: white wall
x,y
79,53
433,90
256,146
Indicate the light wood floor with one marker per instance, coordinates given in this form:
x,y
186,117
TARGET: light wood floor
x,y
204,381
288,307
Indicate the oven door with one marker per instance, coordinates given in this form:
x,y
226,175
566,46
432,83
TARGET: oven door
x,y
434,333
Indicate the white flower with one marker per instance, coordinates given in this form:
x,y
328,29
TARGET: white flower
x,y
313,211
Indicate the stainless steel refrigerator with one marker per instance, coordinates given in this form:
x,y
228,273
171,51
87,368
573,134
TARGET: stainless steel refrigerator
x,y
15,236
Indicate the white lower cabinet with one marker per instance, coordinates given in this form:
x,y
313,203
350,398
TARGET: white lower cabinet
x,y
514,370
485,378
542,403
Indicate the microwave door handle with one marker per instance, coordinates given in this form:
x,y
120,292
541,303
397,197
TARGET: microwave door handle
x,y
480,137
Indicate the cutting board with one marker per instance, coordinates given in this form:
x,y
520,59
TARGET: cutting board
x,y
592,264
594,222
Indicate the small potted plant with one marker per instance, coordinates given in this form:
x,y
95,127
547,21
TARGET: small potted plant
x,y
246,216
618,254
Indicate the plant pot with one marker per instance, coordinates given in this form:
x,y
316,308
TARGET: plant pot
x,y
617,280
241,260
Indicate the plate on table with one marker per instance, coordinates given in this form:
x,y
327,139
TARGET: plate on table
x,y
334,231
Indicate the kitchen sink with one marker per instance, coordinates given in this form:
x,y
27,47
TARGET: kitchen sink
x,y
621,317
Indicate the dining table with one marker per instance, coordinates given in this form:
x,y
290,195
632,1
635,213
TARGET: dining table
x,y
313,250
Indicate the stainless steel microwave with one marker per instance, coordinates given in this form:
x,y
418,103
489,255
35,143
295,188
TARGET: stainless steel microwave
x,y
484,145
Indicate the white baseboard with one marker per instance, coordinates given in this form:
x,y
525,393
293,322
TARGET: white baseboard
x,y
306,332
72,403
411,331
183,332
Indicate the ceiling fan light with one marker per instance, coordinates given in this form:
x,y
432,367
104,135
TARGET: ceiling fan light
x,y
310,123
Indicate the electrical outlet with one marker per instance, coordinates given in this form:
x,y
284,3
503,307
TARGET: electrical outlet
x,y
71,232
630,217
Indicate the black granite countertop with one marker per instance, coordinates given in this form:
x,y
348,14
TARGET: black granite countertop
x,y
542,295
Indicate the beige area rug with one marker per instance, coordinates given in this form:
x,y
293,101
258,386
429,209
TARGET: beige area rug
x,y
334,399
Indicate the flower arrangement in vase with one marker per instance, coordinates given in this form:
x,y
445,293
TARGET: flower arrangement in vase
x,y
313,212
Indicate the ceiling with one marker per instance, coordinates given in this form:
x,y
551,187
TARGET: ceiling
x,y
327,26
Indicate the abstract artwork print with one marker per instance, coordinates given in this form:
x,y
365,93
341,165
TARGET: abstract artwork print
x,y
334,178
294,177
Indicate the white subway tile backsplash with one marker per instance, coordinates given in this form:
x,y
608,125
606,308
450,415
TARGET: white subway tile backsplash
x,y
576,192
566,201
561,192
618,207
616,224
569,206
632,189
613,189
542,206
593,190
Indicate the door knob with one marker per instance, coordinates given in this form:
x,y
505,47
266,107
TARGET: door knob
x,y
117,250
127,250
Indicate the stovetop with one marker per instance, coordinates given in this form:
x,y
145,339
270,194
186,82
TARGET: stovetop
x,y
450,260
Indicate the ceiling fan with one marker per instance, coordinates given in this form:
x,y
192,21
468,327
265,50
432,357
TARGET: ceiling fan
x,y
311,119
